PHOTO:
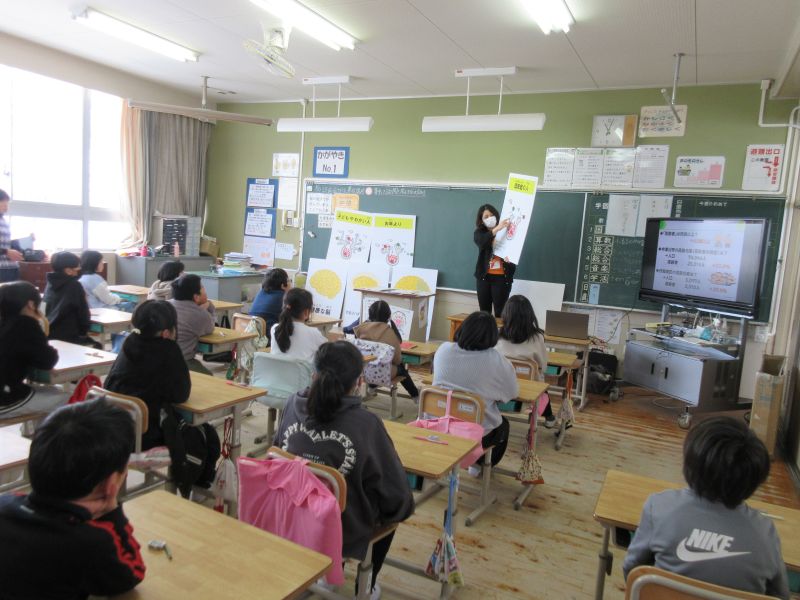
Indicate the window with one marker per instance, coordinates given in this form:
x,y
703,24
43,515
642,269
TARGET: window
x,y
60,161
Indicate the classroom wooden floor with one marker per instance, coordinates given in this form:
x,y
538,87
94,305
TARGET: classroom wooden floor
x,y
549,548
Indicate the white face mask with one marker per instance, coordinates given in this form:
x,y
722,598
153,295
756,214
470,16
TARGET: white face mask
x,y
490,222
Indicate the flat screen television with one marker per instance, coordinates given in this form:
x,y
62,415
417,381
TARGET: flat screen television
x,y
710,264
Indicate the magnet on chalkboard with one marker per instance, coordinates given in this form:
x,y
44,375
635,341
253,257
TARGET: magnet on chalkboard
x,y
311,234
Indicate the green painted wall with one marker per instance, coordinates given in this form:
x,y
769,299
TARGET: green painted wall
x,y
721,120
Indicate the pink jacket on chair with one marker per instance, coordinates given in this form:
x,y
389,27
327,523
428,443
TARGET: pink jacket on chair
x,y
285,498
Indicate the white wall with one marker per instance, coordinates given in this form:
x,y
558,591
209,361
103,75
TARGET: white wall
x,y
23,54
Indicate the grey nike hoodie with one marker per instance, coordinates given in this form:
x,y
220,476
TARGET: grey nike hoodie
x,y
685,534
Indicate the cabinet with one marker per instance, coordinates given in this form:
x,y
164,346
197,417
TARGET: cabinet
x,y
706,378
143,270
36,273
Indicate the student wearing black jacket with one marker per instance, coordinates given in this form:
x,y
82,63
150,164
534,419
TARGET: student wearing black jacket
x,y
357,445
494,274
67,308
69,538
23,346
151,365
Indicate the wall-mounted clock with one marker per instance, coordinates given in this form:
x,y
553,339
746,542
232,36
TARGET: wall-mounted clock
x,y
614,131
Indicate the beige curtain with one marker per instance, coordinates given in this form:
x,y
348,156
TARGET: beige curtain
x,y
175,153
133,172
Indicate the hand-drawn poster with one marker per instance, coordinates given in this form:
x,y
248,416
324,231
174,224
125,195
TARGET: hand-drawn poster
x,y
360,276
699,171
326,282
762,169
518,209
402,318
262,249
393,239
350,236
318,204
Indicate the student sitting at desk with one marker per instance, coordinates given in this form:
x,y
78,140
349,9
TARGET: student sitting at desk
x,y
269,301
358,447
69,538
195,317
97,294
162,287
706,531
150,365
381,328
290,335
67,308
472,364
521,337
23,346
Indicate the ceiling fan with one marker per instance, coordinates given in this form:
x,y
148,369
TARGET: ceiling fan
x,y
270,52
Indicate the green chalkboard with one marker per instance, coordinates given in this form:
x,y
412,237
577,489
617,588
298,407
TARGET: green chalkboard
x,y
610,265
566,243
446,221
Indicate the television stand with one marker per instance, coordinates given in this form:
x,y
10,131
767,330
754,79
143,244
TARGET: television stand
x,y
702,374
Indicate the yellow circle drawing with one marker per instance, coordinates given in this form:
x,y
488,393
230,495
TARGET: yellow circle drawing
x,y
413,283
365,281
326,282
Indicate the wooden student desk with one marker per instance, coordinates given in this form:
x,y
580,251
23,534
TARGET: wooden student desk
x,y
572,345
429,460
130,293
14,450
422,353
107,321
222,339
215,557
74,362
324,324
223,308
457,319
622,498
213,398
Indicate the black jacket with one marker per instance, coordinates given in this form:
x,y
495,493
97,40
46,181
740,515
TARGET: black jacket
x,y
67,309
355,443
52,549
23,346
153,370
483,240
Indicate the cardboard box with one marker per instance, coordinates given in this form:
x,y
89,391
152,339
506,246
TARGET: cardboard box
x,y
767,400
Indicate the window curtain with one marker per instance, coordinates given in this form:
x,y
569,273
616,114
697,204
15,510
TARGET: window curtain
x,y
131,139
165,160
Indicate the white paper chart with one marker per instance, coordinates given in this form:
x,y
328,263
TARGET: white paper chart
x,y
588,170
287,193
318,204
260,193
261,249
259,222
326,282
623,211
518,209
558,166
618,167
651,166
699,171
364,275
351,236
660,121
652,207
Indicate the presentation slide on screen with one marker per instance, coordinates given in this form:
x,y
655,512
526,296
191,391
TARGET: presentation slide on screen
x,y
700,258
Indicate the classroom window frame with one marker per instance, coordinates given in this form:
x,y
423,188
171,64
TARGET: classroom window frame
x,y
83,212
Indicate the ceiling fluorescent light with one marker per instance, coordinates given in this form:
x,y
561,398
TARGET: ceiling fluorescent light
x,y
550,15
324,124
204,114
510,122
316,124
134,35
498,122
309,22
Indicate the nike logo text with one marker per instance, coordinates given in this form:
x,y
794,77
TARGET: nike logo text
x,y
708,545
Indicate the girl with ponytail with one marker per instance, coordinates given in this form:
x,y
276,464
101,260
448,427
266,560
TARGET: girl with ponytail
x,y
327,424
151,365
290,335
381,328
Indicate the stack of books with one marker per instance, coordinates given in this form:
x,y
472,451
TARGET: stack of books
x,y
237,261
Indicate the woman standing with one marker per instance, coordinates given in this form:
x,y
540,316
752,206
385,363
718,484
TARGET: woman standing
x,y
493,273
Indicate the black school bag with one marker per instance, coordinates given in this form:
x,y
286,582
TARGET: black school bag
x,y
194,451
